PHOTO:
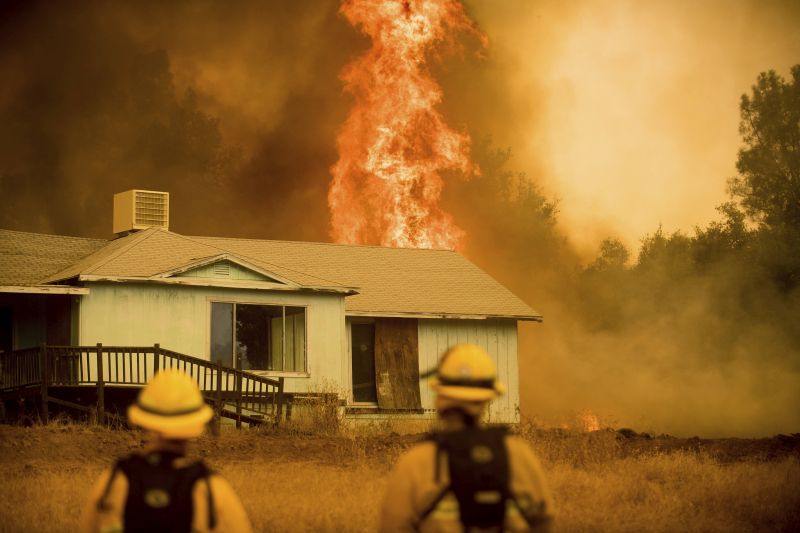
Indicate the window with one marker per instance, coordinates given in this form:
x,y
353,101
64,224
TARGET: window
x,y
259,337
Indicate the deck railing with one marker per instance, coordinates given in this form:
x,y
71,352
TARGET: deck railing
x,y
233,392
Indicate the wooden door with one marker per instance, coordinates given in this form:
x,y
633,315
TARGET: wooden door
x,y
397,363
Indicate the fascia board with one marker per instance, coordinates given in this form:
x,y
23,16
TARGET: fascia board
x,y
230,284
43,289
453,316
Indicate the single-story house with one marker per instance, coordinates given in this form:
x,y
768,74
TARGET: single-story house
x,y
361,321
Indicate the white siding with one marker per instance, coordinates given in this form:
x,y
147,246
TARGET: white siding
x,y
498,337
178,318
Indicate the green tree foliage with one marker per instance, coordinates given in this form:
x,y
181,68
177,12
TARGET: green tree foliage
x,y
768,185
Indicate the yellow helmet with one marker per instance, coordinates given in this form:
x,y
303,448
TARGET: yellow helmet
x,y
466,372
172,405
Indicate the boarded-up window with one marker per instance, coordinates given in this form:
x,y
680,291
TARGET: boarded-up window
x,y
397,363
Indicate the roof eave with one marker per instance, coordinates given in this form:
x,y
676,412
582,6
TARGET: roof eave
x,y
439,315
44,289
229,284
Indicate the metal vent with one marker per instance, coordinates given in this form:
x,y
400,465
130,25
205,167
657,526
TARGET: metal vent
x,y
139,209
222,270
151,209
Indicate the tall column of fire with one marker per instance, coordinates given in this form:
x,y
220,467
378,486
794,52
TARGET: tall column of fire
x,y
386,184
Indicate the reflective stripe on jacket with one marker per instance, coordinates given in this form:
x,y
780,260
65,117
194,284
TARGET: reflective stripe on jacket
x,y
412,489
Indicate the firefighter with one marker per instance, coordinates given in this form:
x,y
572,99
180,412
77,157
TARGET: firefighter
x,y
160,489
467,477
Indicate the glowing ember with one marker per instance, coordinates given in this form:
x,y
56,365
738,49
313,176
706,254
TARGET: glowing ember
x,y
386,185
589,421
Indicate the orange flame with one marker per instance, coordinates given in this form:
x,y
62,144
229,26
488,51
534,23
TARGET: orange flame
x,y
589,421
386,185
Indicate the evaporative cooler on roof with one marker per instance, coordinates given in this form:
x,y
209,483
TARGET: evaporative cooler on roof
x,y
138,209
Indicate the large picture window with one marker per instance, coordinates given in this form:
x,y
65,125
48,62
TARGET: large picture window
x,y
259,337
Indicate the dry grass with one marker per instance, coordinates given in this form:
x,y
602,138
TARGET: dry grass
x,y
296,482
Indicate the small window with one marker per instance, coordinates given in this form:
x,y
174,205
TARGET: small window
x,y
259,337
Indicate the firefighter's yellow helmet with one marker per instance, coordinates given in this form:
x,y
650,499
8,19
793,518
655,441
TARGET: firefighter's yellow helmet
x,y
171,404
466,372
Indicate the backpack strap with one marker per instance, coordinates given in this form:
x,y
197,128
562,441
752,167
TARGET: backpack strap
x,y
437,477
205,473
212,512
435,503
102,504
532,519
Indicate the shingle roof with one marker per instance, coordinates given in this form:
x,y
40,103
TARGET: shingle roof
x,y
28,258
392,280
154,251
388,280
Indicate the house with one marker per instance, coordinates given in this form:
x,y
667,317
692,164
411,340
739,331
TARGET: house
x,y
361,321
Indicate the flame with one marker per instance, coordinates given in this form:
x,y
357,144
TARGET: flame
x,y
386,184
589,421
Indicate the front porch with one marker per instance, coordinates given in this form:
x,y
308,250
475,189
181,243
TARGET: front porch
x,y
102,380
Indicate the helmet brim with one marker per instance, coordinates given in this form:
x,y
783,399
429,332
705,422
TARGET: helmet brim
x,y
186,426
469,394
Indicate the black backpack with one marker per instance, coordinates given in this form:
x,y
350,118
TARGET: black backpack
x,y
160,495
479,475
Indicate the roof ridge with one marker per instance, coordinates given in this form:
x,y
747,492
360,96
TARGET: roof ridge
x,y
256,261
317,243
138,238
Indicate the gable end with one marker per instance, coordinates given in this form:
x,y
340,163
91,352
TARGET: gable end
x,y
227,270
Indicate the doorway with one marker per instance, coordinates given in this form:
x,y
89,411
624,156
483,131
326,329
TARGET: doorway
x,y
6,330
363,348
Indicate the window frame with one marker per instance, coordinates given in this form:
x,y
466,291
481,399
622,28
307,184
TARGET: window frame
x,y
271,373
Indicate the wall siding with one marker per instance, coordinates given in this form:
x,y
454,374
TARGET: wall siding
x,y
498,337
178,318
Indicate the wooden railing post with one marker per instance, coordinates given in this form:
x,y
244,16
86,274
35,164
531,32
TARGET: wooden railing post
x,y
238,375
218,402
156,353
44,376
101,393
280,401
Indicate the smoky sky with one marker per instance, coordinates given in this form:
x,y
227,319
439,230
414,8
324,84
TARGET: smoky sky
x,y
623,113
233,110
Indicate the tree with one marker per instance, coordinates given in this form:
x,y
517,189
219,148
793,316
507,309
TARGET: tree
x,y
768,185
613,256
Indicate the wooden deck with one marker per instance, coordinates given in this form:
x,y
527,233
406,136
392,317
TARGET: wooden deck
x,y
51,373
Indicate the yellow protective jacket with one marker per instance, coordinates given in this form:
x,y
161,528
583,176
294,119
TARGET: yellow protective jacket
x,y
230,515
412,489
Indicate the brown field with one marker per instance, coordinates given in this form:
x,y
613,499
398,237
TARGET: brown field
x,y
292,481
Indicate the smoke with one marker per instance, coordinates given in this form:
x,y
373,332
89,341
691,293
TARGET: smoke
x,y
620,115
627,103
627,114
232,110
